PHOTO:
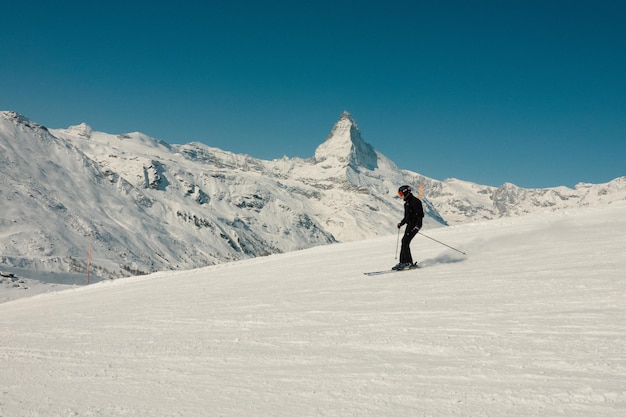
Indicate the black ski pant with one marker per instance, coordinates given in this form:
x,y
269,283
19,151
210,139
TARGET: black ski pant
x,y
405,250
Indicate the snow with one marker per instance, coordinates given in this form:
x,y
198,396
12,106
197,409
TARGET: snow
x,y
531,323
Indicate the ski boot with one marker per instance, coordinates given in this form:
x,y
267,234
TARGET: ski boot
x,y
402,266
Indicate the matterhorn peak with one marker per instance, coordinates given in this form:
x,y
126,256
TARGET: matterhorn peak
x,y
345,145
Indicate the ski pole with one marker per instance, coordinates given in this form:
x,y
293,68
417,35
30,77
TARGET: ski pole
x,y
397,242
443,244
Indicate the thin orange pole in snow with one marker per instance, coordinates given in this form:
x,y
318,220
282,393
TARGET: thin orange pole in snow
x,y
88,263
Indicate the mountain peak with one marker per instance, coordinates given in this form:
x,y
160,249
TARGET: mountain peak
x,y
345,145
19,119
82,129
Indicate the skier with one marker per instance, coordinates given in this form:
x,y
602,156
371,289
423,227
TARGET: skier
x,y
413,215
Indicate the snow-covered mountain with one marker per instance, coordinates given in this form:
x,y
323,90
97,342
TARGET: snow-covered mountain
x,y
145,205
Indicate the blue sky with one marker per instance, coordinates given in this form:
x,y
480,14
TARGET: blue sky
x,y
528,92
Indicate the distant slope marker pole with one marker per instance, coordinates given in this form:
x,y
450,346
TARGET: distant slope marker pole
x,y
88,263
441,243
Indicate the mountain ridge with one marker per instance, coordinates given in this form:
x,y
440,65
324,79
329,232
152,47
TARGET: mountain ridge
x,y
146,205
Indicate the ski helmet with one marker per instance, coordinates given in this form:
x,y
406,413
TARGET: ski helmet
x,y
404,191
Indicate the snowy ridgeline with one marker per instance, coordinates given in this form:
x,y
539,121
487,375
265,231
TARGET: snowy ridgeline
x,y
531,323
145,206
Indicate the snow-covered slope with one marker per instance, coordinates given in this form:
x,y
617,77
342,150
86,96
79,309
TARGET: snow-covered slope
x,y
530,323
145,205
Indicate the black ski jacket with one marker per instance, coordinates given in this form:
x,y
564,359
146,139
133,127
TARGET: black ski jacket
x,y
413,212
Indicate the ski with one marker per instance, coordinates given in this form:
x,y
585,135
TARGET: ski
x,y
386,271
389,271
